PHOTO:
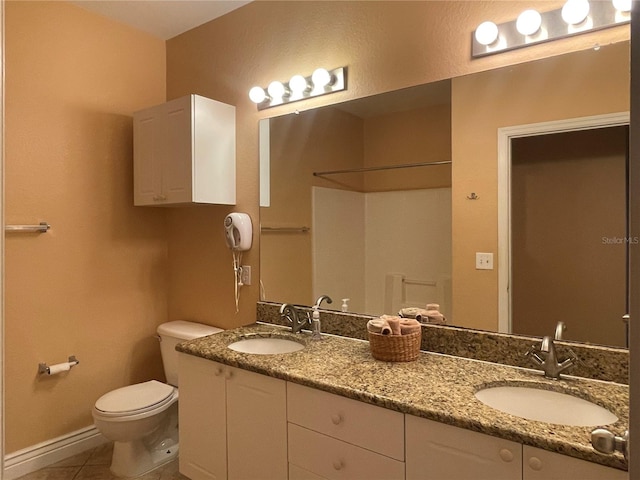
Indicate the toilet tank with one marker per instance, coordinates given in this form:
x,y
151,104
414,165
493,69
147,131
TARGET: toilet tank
x,y
172,333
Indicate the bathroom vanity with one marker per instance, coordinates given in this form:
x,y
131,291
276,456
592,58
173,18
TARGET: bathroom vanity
x,y
331,411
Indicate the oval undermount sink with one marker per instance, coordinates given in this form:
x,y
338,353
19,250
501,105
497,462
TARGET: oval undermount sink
x,y
265,345
545,406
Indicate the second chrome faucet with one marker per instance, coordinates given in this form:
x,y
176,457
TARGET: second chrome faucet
x,y
546,357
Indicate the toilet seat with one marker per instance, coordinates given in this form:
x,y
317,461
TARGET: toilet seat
x,y
135,399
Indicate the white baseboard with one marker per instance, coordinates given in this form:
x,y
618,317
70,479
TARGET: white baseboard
x,y
42,455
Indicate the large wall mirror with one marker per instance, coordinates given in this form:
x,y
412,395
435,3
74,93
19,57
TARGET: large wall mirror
x,y
357,197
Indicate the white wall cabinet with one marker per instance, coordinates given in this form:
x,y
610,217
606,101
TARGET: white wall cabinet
x,y
184,152
232,422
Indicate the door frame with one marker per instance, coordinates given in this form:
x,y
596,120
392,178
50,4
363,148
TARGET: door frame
x,y
505,135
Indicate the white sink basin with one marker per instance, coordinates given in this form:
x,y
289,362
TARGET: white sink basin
x,y
545,406
266,346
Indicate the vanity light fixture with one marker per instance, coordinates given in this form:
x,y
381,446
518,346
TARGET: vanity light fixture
x,y
321,82
531,27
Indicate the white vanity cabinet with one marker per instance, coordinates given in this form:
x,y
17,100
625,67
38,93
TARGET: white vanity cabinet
x,y
544,465
439,451
184,152
233,422
334,437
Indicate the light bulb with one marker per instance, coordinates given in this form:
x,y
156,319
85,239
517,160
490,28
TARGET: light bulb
x,y
321,78
574,12
487,33
276,90
257,95
622,5
298,84
529,22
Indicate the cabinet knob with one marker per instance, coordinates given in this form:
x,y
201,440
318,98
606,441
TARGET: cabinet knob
x,y
506,455
228,374
338,465
336,419
218,371
535,464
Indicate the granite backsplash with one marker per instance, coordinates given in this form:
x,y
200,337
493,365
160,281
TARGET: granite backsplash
x,y
594,361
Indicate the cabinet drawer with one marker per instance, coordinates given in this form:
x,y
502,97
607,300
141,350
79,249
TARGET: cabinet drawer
x,y
544,465
368,426
333,459
452,453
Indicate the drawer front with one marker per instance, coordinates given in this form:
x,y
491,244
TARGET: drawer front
x,y
453,453
336,460
543,465
368,426
297,473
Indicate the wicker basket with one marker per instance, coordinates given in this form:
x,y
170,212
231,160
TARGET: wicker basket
x,y
395,348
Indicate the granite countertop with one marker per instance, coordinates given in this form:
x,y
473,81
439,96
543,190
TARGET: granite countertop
x,y
435,386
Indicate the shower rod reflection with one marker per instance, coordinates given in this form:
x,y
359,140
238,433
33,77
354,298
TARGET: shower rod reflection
x,y
42,227
385,167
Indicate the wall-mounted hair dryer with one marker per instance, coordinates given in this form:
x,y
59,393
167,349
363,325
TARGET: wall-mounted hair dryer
x,y
238,231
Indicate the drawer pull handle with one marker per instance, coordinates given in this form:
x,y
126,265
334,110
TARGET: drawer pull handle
x,y
506,455
336,419
535,464
338,465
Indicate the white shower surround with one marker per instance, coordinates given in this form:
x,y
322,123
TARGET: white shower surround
x,y
359,238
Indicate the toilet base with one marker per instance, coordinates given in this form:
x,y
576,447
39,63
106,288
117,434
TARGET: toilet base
x,y
133,459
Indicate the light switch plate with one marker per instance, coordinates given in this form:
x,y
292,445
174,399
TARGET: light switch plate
x,y
484,261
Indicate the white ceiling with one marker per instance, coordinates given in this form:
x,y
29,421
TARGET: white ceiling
x,y
163,18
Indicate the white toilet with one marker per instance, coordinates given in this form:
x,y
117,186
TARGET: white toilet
x,y
142,419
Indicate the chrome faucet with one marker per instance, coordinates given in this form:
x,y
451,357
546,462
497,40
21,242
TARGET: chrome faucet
x,y
288,312
321,298
545,356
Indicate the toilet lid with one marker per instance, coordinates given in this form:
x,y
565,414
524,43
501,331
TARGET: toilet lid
x,y
135,398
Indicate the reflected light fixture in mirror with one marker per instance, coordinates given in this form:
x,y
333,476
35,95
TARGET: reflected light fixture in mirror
x,y
531,27
321,82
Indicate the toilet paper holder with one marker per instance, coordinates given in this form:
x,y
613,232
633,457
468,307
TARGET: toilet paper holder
x,y
44,369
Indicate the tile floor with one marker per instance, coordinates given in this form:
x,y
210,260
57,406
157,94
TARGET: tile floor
x,y
94,465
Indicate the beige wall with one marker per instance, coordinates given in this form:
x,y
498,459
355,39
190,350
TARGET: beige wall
x,y
385,45
414,136
594,82
94,286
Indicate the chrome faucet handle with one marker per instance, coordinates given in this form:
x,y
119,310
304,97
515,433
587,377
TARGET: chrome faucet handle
x,y
288,312
534,354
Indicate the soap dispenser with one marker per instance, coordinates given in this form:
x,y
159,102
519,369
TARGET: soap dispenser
x,y
315,324
345,304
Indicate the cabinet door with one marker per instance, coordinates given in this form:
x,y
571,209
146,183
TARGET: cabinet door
x,y
256,426
544,465
177,162
148,128
201,406
439,451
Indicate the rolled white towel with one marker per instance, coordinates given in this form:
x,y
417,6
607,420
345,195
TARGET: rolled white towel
x,y
394,323
409,325
378,325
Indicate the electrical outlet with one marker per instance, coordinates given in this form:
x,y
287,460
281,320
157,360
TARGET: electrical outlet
x,y
246,275
484,261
